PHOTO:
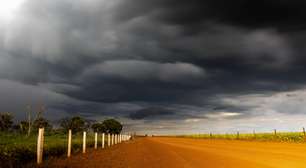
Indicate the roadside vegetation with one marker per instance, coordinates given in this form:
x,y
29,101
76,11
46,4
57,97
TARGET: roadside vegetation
x,y
18,141
278,137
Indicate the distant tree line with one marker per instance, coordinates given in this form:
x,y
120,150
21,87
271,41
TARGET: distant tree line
x,y
77,124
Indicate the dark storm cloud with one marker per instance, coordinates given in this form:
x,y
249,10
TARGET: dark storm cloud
x,y
151,112
188,59
282,14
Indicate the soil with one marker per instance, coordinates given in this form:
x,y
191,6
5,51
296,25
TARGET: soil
x,y
161,152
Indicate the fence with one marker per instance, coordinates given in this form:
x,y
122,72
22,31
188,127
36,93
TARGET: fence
x,y
113,139
275,135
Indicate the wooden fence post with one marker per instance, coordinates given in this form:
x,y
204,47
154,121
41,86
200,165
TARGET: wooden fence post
x,y
108,140
103,140
210,135
40,145
304,131
275,132
84,142
237,134
69,143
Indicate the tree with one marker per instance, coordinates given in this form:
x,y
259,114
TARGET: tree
x,y
98,127
6,121
31,120
24,126
76,124
112,126
42,123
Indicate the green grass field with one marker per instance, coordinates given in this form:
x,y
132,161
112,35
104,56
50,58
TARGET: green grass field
x,y
17,149
280,136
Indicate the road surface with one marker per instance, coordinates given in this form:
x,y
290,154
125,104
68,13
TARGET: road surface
x,y
190,153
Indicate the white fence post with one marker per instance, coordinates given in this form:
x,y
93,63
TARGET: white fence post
x,y
69,143
96,140
40,145
112,140
103,140
108,140
84,142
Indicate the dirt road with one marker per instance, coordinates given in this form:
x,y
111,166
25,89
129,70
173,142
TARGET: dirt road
x,y
190,153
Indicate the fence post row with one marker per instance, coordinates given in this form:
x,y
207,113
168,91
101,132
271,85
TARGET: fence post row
x,y
112,139
40,145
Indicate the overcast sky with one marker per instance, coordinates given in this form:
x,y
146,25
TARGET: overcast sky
x,y
159,66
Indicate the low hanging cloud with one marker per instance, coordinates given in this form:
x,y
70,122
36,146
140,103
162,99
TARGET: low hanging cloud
x,y
146,70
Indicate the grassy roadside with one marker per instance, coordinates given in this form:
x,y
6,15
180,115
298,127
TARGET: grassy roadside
x,y
17,149
279,137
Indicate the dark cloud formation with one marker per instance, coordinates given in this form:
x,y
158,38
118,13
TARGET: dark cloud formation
x,y
150,113
283,14
155,60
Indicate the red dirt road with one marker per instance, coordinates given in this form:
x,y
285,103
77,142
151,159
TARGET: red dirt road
x,y
190,153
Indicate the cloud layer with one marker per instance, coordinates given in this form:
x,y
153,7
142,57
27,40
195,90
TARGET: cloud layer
x,y
161,62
